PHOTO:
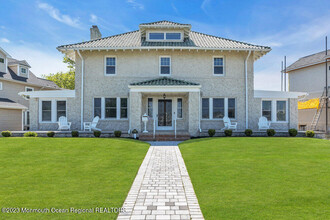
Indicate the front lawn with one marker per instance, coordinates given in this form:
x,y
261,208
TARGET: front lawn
x,y
260,178
83,173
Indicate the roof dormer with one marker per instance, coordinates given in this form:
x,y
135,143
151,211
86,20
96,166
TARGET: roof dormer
x,y
20,67
165,31
3,60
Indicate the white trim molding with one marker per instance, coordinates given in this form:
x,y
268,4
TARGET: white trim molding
x,y
160,65
49,94
277,94
223,66
105,65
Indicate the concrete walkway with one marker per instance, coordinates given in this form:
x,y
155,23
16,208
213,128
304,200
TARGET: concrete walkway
x,y
162,188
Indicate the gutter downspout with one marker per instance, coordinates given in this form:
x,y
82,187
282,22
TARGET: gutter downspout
x,y
246,93
82,91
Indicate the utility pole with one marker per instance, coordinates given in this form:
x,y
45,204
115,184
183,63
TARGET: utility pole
x,y
326,86
284,75
281,75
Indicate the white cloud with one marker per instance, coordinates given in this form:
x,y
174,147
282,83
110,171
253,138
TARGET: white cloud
x,y
93,18
4,40
135,4
56,14
41,60
204,5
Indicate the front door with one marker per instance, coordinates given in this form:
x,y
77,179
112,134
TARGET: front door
x,y
165,114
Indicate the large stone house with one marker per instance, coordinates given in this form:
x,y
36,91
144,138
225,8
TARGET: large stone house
x,y
15,77
307,74
182,79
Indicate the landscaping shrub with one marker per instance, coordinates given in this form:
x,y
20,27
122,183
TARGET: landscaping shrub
x,y
117,134
6,134
50,134
293,132
30,134
75,133
271,132
310,133
228,133
248,132
97,133
211,132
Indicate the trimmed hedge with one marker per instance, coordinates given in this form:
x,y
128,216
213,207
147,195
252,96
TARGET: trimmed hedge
x,y
293,132
50,134
75,133
97,133
248,132
310,133
6,134
30,134
211,132
271,132
117,134
228,133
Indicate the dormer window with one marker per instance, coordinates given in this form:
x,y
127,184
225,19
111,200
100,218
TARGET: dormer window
x,y
164,36
2,60
23,70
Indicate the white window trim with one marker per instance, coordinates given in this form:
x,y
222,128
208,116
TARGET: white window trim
x,y
211,108
26,88
1,86
274,110
117,108
164,40
224,65
53,110
160,57
105,65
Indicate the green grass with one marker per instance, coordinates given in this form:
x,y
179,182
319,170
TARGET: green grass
x,y
67,172
260,178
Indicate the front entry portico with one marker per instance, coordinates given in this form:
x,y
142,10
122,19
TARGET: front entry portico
x,y
172,105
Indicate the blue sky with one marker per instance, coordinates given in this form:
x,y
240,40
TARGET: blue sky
x,y
32,30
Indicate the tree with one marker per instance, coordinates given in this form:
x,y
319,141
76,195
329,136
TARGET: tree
x,y
64,79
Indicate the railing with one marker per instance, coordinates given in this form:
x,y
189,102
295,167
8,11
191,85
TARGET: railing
x,y
154,131
175,127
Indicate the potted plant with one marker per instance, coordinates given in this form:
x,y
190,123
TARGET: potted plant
x,y
134,132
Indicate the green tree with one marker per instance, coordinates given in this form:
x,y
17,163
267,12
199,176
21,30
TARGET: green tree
x,y
64,79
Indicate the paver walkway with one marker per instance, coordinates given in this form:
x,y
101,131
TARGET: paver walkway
x,y
162,188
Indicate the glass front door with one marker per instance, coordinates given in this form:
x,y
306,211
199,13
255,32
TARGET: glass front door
x,y
165,113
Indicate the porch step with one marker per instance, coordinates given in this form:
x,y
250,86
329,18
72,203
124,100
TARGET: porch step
x,y
165,136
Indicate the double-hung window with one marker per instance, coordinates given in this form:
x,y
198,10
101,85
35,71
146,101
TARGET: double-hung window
x,y
123,108
46,108
179,108
150,107
280,110
165,65
61,109
267,110
28,89
218,66
110,65
206,108
231,108
97,107
110,108
218,107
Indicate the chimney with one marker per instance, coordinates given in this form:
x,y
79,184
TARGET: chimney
x,y
95,33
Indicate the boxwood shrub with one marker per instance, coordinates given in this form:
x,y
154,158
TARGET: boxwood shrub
x,y
248,132
6,134
271,132
117,134
293,132
310,133
97,133
30,134
75,133
50,134
228,133
211,132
